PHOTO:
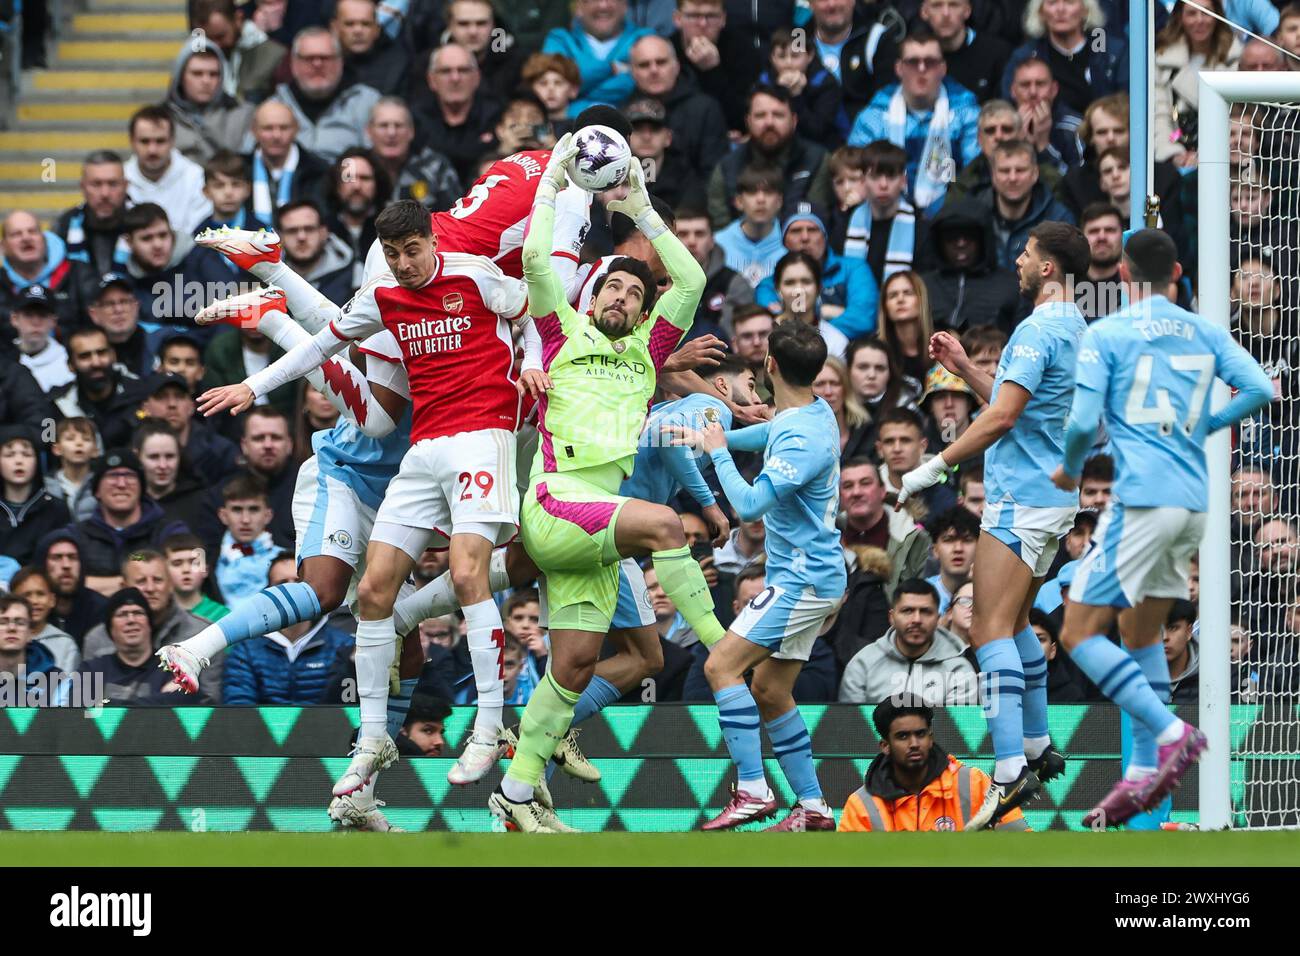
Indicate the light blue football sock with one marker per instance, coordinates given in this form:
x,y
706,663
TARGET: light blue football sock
x,y
1155,668
400,705
1003,684
1120,678
1034,664
793,749
738,715
270,610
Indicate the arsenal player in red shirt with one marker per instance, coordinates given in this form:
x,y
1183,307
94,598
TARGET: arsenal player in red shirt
x,y
450,314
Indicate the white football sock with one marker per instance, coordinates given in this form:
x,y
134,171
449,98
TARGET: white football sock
x,y
1036,746
207,643
516,791
376,643
756,788
1171,733
486,639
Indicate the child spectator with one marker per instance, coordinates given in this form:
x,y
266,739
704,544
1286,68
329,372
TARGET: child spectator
x,y
287,667
521,617
228,184
27,510
753,244
187,566
246,550
984,345
555,80
519,676
849,181
815,94
28,660
34,586
523,125
882,231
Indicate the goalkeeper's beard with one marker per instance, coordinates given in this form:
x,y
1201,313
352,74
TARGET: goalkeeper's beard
x,y
614,322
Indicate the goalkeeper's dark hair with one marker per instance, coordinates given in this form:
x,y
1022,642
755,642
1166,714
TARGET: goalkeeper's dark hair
x,y
904,705
601,115
622,228
799,352
634,267
403,218
1151,256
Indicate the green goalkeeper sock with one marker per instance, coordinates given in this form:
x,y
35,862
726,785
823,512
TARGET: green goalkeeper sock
x,y
683,581
545,722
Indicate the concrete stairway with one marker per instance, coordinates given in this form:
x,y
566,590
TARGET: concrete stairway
x,y
111,59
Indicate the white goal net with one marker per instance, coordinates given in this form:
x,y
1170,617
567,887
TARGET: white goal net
x,y
1259,775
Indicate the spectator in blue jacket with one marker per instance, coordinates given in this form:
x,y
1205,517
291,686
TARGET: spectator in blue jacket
x,y
600,42
290,666
1088,60
934,119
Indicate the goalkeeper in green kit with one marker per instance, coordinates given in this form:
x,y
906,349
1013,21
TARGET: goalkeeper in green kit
x,y
602,368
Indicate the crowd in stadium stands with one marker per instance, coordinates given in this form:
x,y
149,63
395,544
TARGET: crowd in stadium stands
x,y
872,169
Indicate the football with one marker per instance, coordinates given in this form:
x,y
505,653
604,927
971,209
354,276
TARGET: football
x,y
603,158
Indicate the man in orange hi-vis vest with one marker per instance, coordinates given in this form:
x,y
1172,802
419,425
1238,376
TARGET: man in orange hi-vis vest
x,y
912,784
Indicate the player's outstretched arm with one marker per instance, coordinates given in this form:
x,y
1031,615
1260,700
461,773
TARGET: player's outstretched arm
x,y
753,438
750,502
290,366
679,303
994,422
545,290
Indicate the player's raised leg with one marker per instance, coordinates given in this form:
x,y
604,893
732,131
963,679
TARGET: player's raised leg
x,y
330,523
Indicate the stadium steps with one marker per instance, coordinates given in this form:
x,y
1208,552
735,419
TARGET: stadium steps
x,y
110,60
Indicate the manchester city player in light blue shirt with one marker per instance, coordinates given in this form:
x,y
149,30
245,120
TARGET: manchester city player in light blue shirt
x,y
1021,436
797,495
1149,370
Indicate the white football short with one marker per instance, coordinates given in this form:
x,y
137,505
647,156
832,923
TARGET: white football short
x,y
1138,553
452,485
1034,534
784,622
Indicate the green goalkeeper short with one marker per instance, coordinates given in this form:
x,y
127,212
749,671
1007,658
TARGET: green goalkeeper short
x,y
568,530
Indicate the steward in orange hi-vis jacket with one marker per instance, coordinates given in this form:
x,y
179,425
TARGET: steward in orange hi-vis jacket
x,y
912,784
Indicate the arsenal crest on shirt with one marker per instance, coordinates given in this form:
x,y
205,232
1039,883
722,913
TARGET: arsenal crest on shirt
x,y
453,302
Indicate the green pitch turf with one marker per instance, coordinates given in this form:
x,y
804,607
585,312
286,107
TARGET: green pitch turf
x,y
650,849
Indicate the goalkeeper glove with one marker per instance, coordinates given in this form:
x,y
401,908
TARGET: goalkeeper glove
x,y
637,206
555,177
923,476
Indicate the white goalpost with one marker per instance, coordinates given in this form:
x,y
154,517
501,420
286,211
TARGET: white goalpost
x,y
1250,776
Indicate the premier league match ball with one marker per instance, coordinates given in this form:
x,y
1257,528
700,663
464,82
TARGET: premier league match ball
x,y
603,159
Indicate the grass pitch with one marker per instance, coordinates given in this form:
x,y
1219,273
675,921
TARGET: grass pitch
x,y
83,849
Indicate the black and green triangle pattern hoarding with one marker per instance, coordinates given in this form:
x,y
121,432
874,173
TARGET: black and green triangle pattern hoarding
x,y
664,768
